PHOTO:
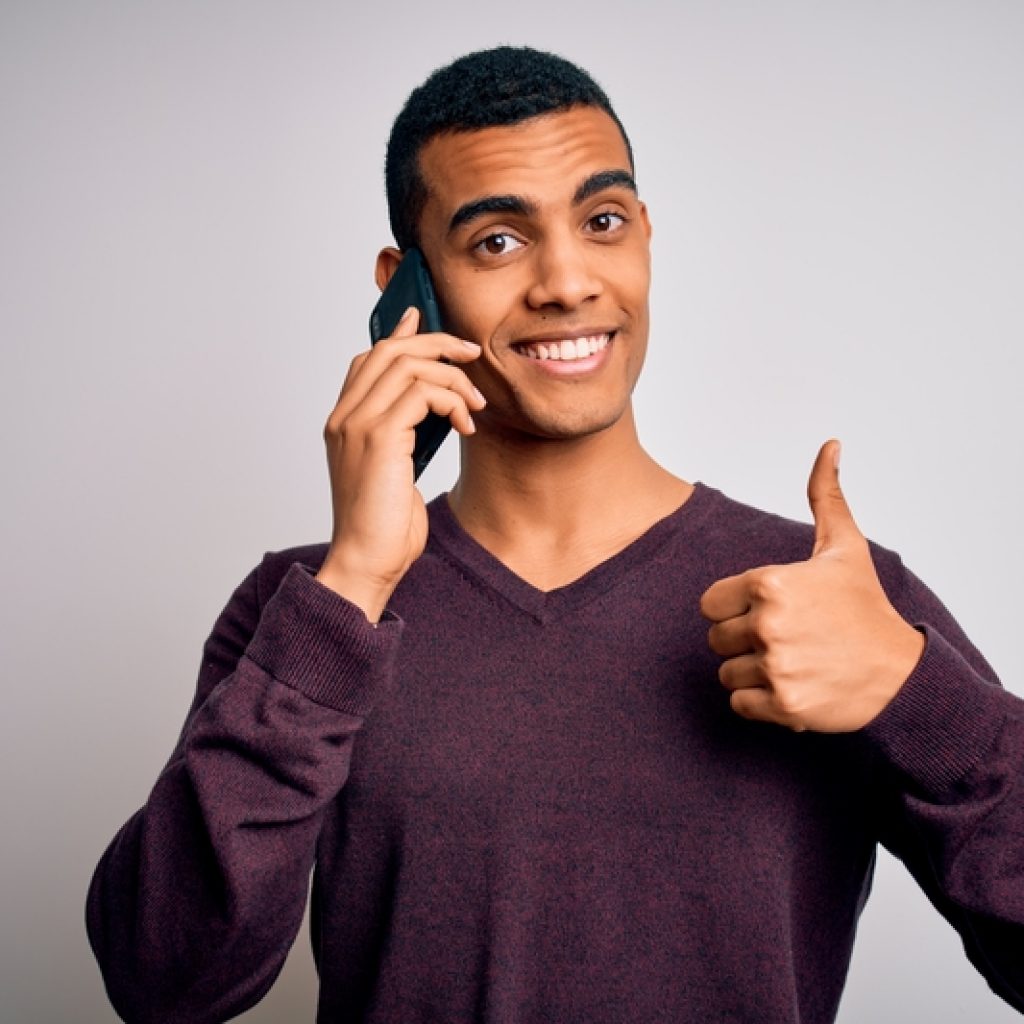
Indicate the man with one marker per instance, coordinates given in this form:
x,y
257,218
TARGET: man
x,y
533,785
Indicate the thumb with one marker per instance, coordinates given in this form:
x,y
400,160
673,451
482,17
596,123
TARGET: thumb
x,y
408,325
833,520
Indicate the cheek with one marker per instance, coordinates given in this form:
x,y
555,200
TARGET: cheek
x,y
634,290
627,273
471,308
642,279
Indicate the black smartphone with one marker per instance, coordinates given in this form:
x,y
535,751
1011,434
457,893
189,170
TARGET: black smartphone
x,y
411,286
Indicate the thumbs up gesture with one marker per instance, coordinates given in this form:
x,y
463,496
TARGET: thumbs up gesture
x,y
816,644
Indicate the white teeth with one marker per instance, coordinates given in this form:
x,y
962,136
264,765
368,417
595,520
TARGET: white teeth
x,y
569,349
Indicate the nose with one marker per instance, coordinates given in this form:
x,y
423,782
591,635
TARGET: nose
x,y
564,274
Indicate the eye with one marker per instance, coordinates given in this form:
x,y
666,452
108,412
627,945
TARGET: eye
x,y
498,244
606,222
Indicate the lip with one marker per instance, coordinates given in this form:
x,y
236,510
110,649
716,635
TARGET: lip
x,y
573,335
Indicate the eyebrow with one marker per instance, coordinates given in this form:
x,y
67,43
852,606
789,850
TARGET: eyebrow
x,y
524,207
491,204
601,181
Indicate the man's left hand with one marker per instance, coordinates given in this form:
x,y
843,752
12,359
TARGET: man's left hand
x,y
816,644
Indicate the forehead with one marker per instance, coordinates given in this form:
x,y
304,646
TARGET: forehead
x,y
543,158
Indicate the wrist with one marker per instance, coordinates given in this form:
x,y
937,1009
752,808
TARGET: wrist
x,y
370,595
903,655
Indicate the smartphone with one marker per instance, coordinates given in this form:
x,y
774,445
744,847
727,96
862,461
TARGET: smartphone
x,y
410,285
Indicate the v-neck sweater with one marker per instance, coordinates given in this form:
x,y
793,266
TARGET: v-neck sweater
x,y
529,807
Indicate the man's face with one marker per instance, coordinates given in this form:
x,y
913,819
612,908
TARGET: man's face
x,y
539,250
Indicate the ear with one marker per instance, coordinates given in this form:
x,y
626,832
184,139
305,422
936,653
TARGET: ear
x,y
387,263
645,220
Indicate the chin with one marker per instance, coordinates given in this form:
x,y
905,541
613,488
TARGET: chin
x,y
571,425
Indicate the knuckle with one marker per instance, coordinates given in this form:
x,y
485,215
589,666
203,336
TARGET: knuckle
x,y
768,628
777,666
347,428
788,703
420,388
768,585
334,426
452,403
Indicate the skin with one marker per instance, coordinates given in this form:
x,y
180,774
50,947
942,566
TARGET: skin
x,y
534,234
816,644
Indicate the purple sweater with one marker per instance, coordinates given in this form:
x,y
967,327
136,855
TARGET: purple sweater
x,y
529,807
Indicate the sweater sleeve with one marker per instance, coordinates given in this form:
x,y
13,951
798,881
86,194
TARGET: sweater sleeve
x,y
196,902
951,750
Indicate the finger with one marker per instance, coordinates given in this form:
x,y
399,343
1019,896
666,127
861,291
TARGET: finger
x,y
405,328
396,380
742,673
391,426
407,324
731,637
368,366
756,704
833,521
422,397
726,599
391,438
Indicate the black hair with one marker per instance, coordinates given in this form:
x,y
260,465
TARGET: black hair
x,y
487,89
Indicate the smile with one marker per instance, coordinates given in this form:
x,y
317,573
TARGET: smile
x,y
566,350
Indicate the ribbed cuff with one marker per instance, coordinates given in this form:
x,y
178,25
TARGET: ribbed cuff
x,y
943,720
318,643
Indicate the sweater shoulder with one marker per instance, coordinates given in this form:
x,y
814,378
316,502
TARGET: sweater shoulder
x,y
765,537
758,537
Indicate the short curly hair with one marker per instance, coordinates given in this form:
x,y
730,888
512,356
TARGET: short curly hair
x,y
486,89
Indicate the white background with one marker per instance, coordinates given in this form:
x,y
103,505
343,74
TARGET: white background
x,y
192,200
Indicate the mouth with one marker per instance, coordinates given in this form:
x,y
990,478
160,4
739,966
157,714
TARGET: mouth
x,y
565,350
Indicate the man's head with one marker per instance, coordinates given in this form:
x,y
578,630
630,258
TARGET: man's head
x,y
537,242
491,88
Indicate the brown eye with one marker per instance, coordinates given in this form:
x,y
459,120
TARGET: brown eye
x,y
602,223
498,244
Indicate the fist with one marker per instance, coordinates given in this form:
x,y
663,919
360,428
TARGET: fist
x,y
816,644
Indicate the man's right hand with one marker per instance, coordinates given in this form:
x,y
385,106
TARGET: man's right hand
x,y
380,520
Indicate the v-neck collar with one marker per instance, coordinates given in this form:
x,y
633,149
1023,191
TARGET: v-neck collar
x,y
542,605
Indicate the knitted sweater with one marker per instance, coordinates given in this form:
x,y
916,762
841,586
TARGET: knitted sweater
x,y
529,807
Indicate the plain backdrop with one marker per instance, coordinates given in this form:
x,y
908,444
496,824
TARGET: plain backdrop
x,y
192,201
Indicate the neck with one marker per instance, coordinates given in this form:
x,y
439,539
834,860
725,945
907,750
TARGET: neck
x,y
553,509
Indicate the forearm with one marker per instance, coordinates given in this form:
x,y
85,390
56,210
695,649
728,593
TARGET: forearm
x,y
951,748
197,901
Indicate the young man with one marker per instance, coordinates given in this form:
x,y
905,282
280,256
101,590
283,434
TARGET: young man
x,y
533,785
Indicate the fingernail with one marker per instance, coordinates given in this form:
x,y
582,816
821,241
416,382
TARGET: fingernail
x,y
838,451
407,314
476,391
471,345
